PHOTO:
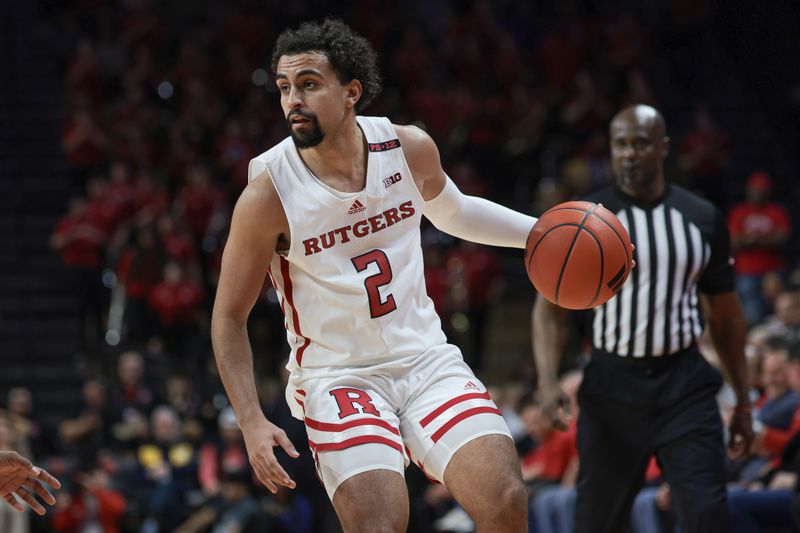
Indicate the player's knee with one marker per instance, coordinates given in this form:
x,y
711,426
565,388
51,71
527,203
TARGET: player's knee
x,y
511,502
390,523
516,497
375,519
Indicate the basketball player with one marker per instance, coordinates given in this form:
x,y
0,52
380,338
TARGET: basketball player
x,y
332,214
647,390
19,477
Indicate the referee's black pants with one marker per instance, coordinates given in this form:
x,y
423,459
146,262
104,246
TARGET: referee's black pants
x,y
631,410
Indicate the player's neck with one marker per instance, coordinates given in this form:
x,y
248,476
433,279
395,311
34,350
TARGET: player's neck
x,y
340,159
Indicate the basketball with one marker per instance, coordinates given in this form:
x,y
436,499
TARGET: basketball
x,y
578,255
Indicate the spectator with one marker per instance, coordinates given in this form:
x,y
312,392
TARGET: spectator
x,y
131,400
225,454
93,506
704,154
150,197
35,438
773,501
759,230
475,281
199,201
175,302
553,507
85,143
167,466
139,270
233,510
181,395
547,463
785,323
289,511
779,400
79,237
90,431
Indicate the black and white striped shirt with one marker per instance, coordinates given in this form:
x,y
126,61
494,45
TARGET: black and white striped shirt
x,y
682,247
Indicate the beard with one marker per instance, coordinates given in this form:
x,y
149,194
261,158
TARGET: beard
x,y
635,178
312,135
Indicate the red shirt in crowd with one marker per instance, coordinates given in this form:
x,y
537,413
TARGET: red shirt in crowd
x,y
139,271
214,461
107,508
176,303
84,246
199,204
553,455
765,219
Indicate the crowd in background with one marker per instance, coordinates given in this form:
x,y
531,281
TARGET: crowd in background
x,y
165,106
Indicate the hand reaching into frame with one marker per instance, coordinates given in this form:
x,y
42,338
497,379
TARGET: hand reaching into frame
x,y
21,479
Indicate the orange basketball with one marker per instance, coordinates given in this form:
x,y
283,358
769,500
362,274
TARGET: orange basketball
x,y
578,255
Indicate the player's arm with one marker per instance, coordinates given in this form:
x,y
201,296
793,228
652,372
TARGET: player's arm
x,y
466,217
258,221
549,332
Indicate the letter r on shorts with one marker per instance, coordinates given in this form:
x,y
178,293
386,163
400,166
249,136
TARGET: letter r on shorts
x,y
348,398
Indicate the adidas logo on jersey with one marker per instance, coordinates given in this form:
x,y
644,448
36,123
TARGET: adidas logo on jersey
x,y
470,386
357,207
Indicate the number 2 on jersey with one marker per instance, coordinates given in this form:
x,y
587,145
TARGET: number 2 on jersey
x,y
373,283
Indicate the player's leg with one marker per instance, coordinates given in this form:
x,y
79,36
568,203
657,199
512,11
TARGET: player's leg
x,y
613,451
455,433
694,466
354,435
373,501
484,477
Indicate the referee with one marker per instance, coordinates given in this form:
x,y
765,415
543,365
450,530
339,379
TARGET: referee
x,y
647,390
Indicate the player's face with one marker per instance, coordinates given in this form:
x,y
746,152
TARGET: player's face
x,y
312,97
637,153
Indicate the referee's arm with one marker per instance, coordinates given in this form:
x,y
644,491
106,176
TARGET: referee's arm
x,y
728,329
549,332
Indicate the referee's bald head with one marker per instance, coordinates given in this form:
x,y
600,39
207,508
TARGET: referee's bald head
x,y
643,116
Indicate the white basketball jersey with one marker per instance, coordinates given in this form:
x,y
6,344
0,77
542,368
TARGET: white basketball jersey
x,y
352,285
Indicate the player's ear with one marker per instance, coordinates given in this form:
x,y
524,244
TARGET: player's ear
x,y
665,143
353,91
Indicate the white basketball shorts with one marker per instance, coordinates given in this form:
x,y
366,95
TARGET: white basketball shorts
x,y
421,409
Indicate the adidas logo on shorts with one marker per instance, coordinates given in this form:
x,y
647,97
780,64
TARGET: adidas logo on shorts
x,y
357,207
470,386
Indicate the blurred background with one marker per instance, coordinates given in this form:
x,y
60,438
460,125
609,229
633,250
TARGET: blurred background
x,y
127,130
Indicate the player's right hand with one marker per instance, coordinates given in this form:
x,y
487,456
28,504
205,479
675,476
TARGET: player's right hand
x,y
260,437
555,405
21,478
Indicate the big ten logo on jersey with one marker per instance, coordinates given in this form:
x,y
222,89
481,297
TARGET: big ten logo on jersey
x,y
391,180
384,146
347,399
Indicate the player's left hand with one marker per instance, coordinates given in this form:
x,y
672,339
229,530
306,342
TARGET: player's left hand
x,y
741,431
19,477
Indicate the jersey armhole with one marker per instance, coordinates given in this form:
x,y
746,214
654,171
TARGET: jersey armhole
x,y
283,253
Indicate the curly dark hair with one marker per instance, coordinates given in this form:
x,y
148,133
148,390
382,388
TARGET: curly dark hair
x,y
350,54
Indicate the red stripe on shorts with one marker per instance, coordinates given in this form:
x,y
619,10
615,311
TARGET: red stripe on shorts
x,y
355,441
287,285
450,403
461,416
328,426
301,392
